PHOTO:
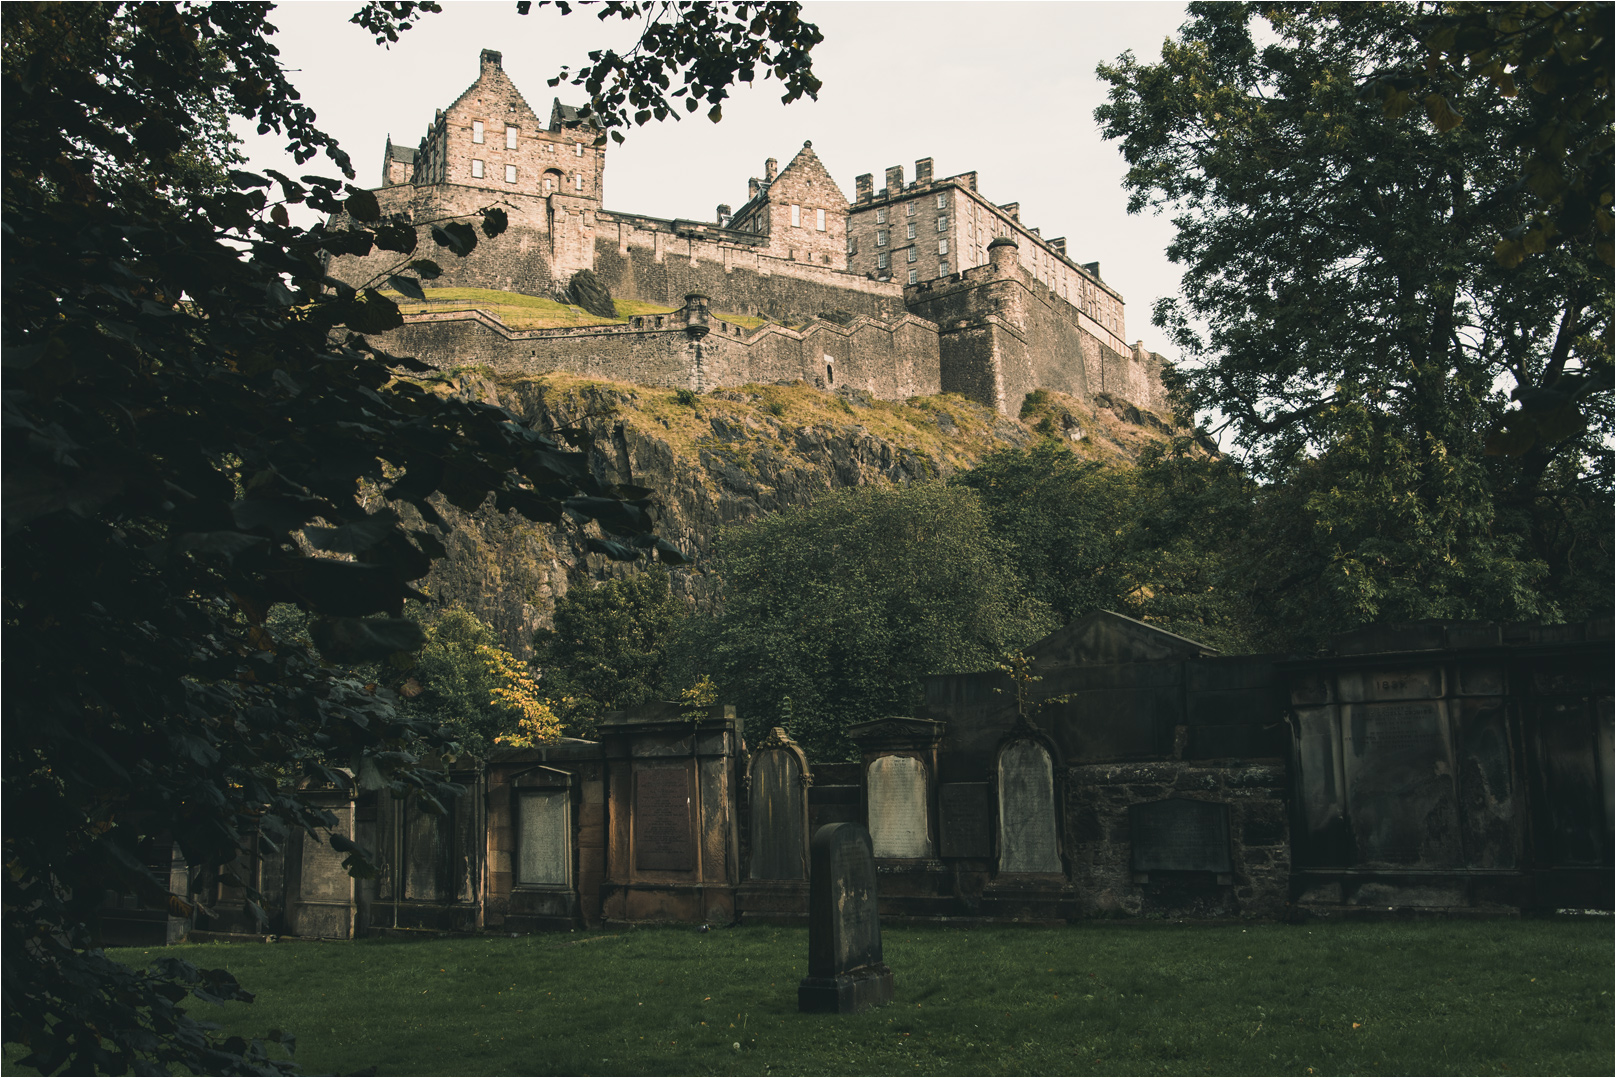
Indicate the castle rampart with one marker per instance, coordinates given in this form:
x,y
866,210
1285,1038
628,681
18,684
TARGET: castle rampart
x,y
925,286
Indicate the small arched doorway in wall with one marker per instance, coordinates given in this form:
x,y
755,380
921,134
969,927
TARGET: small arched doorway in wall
x,y
550,183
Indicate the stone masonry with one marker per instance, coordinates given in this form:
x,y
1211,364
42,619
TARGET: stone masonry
x,y
924,287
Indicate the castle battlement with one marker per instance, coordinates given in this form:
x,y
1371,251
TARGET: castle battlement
x,y
932,287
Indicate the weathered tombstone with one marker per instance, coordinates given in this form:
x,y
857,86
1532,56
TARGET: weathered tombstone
x,y
663,837
845,970
896,788
779,809
1179,835
1027,836
543,828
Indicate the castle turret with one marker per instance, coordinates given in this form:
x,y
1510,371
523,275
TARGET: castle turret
x,y
1004,256
771,169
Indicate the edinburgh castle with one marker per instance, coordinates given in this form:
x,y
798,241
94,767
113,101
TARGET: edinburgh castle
x,y
910,289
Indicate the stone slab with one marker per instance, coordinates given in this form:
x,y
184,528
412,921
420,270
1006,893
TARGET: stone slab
x,y
664,839
1027,838
896,788
1179,835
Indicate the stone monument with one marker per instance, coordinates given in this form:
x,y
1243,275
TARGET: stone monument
x,y
845,970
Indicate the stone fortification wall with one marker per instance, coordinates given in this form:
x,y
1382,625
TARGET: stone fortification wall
x,y
656,261
892,360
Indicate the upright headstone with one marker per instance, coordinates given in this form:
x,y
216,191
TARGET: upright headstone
x,y
779,809
1027,836
845,970
896,788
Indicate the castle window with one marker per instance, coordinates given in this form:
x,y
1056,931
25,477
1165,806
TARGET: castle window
x,y
577,149
912,255
942,246
942,268
510,173
909,208
881,260
880,215
477,131
830,375
852,244
942,200
911,230
942,222
510,138
881,237
577,181
476,169
819,220
914,276
796,215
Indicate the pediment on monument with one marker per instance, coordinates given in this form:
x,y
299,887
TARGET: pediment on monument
x,y
1105,637
897,730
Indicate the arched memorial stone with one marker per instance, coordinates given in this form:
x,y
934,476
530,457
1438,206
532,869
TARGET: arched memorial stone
x,y
779,806
1028,841
896,788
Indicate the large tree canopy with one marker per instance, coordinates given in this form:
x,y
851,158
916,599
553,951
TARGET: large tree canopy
x,y
1343,309
196,429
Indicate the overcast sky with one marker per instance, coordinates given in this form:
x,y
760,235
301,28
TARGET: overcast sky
x,y
1006,89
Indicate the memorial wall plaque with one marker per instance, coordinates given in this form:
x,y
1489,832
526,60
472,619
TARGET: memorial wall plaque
x,y
1400,784
324,878
545,828
896,788
663,835
1027,837
967,819
1179,835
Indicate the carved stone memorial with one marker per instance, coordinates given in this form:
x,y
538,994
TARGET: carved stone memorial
x,y
846,973
779,809
1180,835
1400,790
896,788
1027,836
663,836
545,828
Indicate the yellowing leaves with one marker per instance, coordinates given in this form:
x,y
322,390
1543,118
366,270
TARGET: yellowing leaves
x,y
516,691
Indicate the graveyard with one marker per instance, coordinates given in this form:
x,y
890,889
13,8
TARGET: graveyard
x,y
1516,996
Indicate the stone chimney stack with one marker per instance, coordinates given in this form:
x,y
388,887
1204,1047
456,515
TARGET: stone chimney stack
x,y
752,186
895,180
863,188
1014,210
1094,268
923,171
1059,244
723,215
771,169
490,59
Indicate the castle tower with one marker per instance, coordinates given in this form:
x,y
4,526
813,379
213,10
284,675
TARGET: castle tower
x,y
491,138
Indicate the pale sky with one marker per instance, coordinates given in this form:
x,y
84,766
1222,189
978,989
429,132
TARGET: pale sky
x,y
1006,89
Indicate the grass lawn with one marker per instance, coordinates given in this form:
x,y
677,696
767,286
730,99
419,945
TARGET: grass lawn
x,y
1490,997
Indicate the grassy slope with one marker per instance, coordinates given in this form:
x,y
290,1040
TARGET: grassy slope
x,y
518,311
1522,997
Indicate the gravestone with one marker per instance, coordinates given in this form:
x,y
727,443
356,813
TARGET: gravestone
x,y
779,809
545,831
1399,769
1027,838
896,788
1180,835
845,970
967,819
663,837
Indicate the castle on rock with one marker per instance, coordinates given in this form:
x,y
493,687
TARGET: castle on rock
x,y
910,289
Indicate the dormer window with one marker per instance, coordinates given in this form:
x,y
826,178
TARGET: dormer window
x,y
477,131
510,138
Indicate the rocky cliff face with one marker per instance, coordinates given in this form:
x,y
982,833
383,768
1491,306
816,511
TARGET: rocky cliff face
x,y
723,458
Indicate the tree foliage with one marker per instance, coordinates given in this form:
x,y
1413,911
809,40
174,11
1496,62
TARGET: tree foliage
x,y
833,612
609,648
196,429
1341,291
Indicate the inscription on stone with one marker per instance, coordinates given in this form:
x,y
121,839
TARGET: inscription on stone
x,y
662,832
546,851
896,788
1180,835
967,821
846,973
324,878
1400,784
1027,841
